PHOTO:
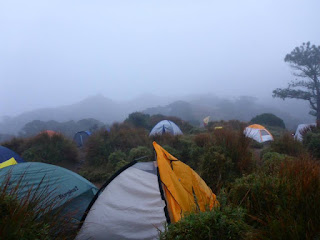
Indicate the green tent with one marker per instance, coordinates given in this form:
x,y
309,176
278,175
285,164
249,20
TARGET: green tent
x,y
67,189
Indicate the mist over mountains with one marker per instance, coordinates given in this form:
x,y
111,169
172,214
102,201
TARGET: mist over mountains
x,y
190,108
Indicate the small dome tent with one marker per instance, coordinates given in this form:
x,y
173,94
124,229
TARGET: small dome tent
x,y
140,198
67,189
165,126
81,137
49,132
300,129
258,133
8,157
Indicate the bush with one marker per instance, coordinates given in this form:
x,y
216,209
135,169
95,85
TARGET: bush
x,y
16,144
125,137
272,161
54,150
217,169
226,223
235,146
203,140
97,148
122,137
31,216
287,145
115,158
139,152
268,119
96,175
139,120
282,204
311,140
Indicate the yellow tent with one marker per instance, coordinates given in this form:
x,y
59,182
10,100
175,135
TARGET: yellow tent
x,y
185,191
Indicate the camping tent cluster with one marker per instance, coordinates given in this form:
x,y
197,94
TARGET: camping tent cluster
x,y
133,204
140,198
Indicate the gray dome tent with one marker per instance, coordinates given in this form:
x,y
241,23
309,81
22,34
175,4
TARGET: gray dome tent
x,y
165,126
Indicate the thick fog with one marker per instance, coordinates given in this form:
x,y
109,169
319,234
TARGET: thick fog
x,y
56,53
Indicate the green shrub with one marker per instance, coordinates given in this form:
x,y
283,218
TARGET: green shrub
x,y
225,223
268,119
98,148
286,144
16,144
272,161
256,145
141,151
139,120
311,140
54,150
235,146
124,137
203,139
217,169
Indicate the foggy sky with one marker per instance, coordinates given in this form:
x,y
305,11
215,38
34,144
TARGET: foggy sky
x,y
59,52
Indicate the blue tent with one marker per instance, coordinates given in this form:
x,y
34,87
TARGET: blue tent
x,y
81,137
8,157
67,189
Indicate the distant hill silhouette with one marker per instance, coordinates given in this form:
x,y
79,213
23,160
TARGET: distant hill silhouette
x,y
189,108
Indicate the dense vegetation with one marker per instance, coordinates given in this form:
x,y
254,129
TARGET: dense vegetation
x,y
55,149
266,191
268,119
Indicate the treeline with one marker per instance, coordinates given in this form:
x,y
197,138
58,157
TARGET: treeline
x,y
66,128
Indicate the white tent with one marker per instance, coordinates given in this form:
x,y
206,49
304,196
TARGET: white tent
x,y
118,210
300,129
165,126
258,133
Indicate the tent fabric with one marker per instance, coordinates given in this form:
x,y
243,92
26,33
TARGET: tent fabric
x,y
185,190
165,126
70,191
49,132
8,157
258,133
130,207
139,199
81,137
300,129
9,162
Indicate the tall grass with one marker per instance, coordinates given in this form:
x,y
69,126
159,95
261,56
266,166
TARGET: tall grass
x,y
286,144
283,204
31,215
